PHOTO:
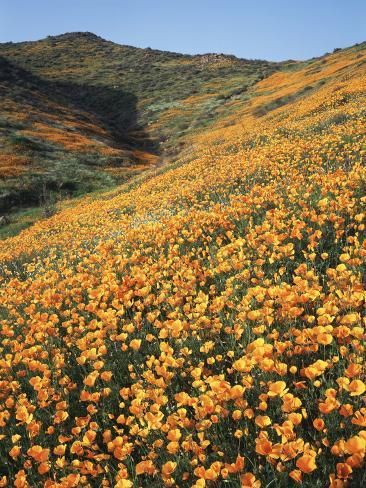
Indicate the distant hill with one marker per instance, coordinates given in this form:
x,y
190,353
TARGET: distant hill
x,y
80,113
106,77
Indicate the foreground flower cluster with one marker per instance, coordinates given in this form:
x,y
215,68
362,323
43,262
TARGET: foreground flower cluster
x,y
207,327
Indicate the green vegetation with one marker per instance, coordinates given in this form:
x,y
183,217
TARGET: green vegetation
x,y
19,221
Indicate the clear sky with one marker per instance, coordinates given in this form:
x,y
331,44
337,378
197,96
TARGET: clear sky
x,y
266,29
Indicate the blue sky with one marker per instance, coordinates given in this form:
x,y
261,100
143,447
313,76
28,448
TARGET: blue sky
x,y
266,29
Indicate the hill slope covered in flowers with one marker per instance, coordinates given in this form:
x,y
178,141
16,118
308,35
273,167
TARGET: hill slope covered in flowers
x,y
79,113
203,325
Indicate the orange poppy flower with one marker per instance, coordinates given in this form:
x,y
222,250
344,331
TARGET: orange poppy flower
x,y
306,463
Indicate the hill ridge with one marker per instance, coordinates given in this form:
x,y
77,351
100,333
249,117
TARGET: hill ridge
x,y
74,35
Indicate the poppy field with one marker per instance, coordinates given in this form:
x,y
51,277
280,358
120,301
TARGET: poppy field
x,y
203,326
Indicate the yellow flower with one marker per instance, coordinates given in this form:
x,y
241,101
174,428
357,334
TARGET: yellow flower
x,y
106,376
14,452
296,475
145,467
343,470
248,480
168,468
306,463
357,387
278,388
174,435
60,450
124,484
318,424
263,421
135,344
356,444
38,453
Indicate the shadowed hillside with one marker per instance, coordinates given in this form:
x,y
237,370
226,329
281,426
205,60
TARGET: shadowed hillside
x,y
57,140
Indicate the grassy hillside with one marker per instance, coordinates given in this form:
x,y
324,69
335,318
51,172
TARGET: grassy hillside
x,y
175,93
202,325
80,113
49,144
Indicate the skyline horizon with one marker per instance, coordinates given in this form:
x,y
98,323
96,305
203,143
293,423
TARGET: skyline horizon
x,y
184,53
266,30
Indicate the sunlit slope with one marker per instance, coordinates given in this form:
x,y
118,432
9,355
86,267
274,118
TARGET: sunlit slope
x,y
327,123
320,78
205,325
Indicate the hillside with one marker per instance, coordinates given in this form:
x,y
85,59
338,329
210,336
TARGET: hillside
x,y
202,325
79,113
175,93
48,141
